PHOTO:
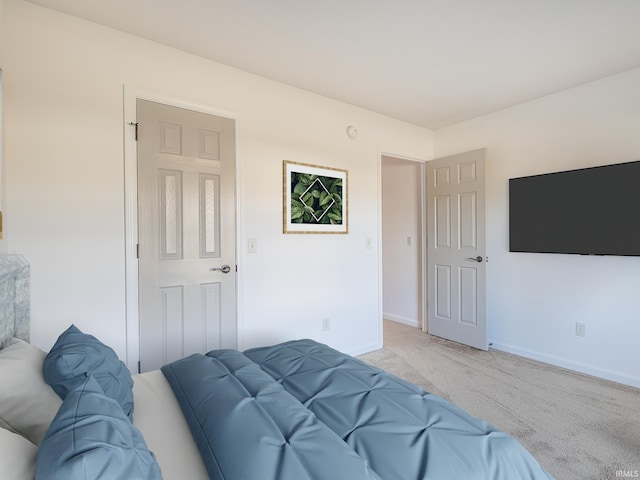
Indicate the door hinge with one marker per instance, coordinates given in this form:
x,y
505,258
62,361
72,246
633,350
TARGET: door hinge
x,y
139,369
138,251
135,124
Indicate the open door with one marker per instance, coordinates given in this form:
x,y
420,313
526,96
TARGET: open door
x,y
456,262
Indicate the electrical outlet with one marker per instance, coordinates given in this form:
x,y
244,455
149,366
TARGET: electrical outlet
x,y
581,329
252,245
368,243
326,324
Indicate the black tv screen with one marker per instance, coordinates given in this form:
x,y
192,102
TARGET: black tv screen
x,y
591,211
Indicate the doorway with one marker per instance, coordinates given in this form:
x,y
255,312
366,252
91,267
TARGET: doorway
x,y
437,283
403,240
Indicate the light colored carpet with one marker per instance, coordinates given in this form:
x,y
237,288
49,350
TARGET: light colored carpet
x,y
576,426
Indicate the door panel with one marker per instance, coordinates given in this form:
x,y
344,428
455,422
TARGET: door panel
x,y
456,240
186,231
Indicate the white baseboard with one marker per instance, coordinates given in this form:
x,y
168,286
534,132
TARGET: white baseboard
x,y
362,349
405,321
568,364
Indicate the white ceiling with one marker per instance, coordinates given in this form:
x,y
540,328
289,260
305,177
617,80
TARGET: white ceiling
x,y
428,62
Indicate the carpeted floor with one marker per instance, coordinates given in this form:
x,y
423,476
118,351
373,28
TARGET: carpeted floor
x,y
576,426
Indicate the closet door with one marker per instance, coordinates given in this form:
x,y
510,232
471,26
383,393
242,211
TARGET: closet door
x,y
186,231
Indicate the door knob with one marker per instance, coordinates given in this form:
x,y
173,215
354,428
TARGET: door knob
x,y
476,259
223,269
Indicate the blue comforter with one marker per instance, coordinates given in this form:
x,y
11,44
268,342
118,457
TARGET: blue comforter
x,y
302,410
247,427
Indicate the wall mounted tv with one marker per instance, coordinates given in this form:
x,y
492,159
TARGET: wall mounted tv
x,y
591,211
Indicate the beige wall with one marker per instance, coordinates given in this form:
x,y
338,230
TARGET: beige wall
x,y
534,300
64,102
3,241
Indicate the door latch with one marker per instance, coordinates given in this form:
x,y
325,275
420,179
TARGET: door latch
x,y
223,269
476,259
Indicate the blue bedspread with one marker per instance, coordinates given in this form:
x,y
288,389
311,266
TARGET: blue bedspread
x,y
247,427
301,410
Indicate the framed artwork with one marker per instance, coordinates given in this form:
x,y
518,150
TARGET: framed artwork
x,y
314,199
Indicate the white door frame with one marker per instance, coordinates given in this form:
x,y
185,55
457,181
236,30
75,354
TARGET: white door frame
x,y
423,244
132,318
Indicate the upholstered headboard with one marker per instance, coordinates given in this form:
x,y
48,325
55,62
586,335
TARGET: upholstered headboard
x,y
14,298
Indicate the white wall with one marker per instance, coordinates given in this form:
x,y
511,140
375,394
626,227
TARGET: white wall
x,y
63,82
534,300
401,198
64,101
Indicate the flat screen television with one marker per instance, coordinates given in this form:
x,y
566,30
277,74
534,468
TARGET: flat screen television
x,y
590,211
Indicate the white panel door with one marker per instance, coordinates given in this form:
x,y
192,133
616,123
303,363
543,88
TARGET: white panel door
x,y
456,249
186,231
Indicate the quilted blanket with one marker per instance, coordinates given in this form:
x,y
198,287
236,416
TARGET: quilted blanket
x,y
403,431
247,427
301,410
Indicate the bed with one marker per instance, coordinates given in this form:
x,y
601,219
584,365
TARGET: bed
x,y
297,410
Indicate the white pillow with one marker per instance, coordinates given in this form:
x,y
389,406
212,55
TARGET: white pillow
x,y
27,403
17,456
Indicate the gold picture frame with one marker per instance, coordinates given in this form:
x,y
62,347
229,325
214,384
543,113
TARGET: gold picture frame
x,y
315,198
